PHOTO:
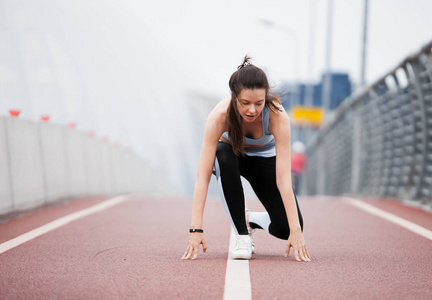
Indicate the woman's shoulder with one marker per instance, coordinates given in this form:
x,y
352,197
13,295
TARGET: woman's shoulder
x,y
277,111
278,118
223,104
219,112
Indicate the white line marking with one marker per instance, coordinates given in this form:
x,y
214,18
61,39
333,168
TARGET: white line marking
x,y
391,217
59,222
237,277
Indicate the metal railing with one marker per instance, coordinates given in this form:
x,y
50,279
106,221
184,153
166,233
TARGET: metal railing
x,y
379,142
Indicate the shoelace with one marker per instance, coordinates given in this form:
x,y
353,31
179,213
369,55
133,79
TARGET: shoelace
x,y
242,244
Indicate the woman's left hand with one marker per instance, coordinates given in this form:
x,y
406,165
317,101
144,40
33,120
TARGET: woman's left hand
x,y
296,240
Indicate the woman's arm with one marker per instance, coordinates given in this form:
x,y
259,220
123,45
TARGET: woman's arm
x,y
280,128
205,168
214,128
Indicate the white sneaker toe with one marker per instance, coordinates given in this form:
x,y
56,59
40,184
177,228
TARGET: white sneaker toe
x,y
243,247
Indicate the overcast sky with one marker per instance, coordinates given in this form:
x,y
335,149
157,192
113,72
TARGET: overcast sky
x,y
209,38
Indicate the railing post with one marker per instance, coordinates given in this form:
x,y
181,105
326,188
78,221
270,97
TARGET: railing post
x,y
356,151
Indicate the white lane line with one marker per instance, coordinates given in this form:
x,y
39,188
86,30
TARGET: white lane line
x,y
391,217
237,277
59,222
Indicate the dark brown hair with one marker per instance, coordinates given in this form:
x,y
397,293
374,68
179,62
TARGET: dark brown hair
x,y
250,77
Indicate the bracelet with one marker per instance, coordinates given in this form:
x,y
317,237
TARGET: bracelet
x,y
196,230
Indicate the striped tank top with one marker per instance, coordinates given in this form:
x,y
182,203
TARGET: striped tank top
x,y
264,146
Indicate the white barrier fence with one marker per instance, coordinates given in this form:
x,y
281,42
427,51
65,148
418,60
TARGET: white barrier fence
x,y
41,163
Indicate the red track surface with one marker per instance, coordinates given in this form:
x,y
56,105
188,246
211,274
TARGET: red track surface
x,y
133,251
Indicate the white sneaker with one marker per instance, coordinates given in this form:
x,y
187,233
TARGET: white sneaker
x,y
243,247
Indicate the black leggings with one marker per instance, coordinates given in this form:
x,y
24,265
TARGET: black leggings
x,y
261,174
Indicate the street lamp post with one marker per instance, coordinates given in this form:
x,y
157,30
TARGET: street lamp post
x,y
364,44
327,76
309,93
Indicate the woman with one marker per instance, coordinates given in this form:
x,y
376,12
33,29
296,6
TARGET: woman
x,y
242,136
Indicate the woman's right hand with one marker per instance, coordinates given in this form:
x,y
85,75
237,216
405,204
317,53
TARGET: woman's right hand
x,y
195,240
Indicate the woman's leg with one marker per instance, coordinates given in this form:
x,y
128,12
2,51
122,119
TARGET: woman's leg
x,y
261,174
230,186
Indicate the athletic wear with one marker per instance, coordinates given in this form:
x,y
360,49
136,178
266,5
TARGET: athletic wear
x,y
266,143
243,247
260,171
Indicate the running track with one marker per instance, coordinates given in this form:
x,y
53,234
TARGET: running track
x,y
132,250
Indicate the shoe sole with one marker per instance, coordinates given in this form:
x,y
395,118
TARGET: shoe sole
x,y
242,257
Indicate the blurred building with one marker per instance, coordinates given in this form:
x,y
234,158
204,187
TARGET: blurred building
x,y
296,95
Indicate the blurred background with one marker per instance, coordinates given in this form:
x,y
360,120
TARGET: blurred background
x,y
145,74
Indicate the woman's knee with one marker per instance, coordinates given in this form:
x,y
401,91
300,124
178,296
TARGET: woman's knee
x,y
225,155
279,230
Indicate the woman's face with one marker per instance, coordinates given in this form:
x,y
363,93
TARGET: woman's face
x,y
250,103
